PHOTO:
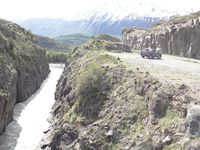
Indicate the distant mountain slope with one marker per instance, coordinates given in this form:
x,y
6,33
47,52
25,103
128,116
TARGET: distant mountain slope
x,y
51,44
73,40
94,24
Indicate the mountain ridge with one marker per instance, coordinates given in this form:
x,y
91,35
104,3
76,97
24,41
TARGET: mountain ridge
x,y
94,24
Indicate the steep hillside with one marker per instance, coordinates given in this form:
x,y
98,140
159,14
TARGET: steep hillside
x,y
23,67
73,40
51,44
104,104
179,36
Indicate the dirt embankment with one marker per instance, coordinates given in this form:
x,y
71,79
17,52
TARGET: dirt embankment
x,y
103,103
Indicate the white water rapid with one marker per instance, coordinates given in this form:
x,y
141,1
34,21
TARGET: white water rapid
x,y
30,117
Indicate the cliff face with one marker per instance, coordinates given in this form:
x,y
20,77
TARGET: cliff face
x,y
23,67
8,87
176,38
103,105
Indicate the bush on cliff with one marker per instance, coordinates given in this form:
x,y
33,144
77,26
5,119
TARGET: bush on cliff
x,y
93,84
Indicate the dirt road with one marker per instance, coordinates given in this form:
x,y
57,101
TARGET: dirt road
x,y
168,69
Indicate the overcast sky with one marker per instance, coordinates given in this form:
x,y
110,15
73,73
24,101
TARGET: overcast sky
x,y
70,9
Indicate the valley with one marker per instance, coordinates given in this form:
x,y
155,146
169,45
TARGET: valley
x,y
81,83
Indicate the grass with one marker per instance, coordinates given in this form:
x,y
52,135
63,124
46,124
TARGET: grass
x,y
89,78
178,19
170,118
172,21
89,88
96,44
129,30
73,40
106,37
73,116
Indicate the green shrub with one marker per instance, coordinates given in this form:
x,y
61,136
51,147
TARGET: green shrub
x,y
93,85
89,79
57,57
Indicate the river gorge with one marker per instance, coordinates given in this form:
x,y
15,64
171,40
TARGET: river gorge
x,y
30,117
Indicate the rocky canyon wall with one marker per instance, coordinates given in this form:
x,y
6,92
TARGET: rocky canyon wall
x,y
23,67
180,38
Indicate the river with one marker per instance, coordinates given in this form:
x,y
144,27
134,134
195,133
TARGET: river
x,y
30,117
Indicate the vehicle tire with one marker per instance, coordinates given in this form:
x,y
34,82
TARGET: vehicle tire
x,y
142,56
160,56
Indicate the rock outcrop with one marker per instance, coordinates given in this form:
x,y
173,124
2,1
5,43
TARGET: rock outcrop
x,y
101,105
23,67
106,42
193,118
179,36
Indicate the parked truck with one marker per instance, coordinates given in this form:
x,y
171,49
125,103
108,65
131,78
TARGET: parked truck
x,y
151,53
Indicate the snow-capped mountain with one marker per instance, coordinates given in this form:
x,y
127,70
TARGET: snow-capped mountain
x,y
108,17
93,24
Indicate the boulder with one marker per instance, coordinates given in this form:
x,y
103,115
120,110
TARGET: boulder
x,y
193,120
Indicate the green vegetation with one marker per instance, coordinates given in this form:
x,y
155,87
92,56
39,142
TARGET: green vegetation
x,y
91,82
73,40
17,42
94,45
106,37
89,79
178,19
51,44
6,44
170,118
129,30
171,21
73,116
90,85
57,57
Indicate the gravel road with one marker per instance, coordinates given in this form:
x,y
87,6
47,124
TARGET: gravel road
x,y
172,69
